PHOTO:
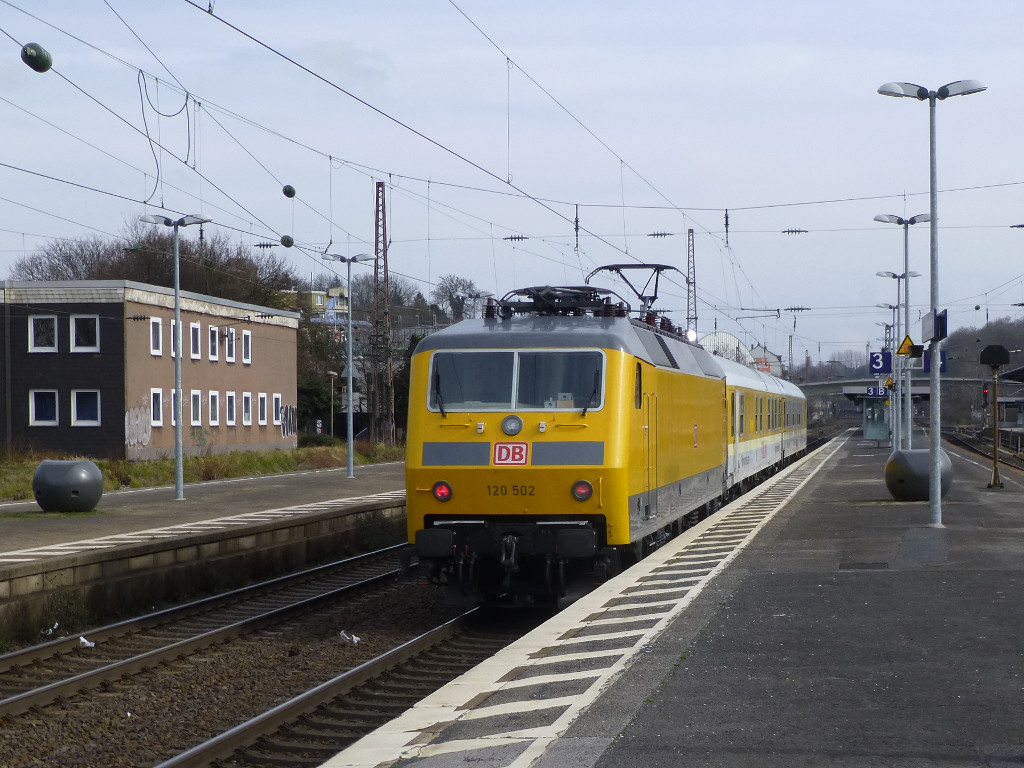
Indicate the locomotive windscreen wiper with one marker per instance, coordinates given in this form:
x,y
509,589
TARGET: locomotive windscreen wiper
x,y
437,391
594,394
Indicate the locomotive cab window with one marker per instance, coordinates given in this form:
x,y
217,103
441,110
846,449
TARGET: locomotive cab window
x,y
528,380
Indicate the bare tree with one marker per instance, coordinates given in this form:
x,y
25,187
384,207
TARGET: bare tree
x,y
458,296
210,265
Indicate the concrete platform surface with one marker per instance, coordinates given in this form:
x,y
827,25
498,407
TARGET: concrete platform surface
x,y
851,633
24,525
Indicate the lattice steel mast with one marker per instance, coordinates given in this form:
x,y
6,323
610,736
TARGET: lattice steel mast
x,y
383,402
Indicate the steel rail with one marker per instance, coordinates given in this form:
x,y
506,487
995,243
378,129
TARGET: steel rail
x,y
224,745
24,656
46,694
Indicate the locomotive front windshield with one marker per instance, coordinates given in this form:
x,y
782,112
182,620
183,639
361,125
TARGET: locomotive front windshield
x,y
534,380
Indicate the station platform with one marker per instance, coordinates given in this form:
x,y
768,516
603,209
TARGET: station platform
x,y
813,622
145,547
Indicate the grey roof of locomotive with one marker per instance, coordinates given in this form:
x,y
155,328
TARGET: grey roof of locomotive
x,y
560,331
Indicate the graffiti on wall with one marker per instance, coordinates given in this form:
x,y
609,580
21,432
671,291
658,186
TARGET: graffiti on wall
x,y
289,421
137,428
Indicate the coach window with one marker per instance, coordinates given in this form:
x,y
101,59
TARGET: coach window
x,y
743,414
638,387
85,333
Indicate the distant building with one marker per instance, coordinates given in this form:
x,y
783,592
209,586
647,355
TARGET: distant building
x,y
87,368
765,361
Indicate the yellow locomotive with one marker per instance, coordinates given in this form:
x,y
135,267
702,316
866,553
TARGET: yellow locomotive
x,y
557,439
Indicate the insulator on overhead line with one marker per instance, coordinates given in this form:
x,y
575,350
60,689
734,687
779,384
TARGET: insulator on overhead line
x,y
37,57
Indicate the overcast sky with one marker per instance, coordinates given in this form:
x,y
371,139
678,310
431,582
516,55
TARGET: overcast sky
x,y
489,120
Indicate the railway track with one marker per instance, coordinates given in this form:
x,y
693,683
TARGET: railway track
x,y
314,726
982,447
42,674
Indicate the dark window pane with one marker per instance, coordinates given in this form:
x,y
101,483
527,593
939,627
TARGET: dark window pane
x,y
44,332
559,380
472,380
86,332
87,406
45,406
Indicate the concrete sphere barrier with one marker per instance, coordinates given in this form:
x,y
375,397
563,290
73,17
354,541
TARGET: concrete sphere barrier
x,y
906,474
67,486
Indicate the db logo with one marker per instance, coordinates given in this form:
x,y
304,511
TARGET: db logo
x,y
510,453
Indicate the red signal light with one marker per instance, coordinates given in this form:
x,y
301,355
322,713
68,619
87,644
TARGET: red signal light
x,y
442,491
582,490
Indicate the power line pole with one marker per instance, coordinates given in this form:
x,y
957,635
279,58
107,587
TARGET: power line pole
x,y
383,424
691,287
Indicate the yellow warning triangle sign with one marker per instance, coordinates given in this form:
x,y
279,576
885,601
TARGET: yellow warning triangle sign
x,y
905,347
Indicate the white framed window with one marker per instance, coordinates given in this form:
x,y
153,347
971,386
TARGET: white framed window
x,y
262,415
156,336
85,408
319,300
247,347
247,409
214,342
197,408
174,418
277,409
229,345
156,407
196,340
229,409
42,408
214,417
85,333
42,333
174,338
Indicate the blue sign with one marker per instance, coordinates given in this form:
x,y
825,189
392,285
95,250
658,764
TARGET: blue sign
x,y
928,360
880,362
878,392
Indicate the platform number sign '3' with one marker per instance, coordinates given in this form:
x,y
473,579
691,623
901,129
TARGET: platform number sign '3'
x,y
881,362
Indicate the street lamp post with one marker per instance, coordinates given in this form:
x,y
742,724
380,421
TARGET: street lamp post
x,y
179,451
911,90
348,345
908,403
333,375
